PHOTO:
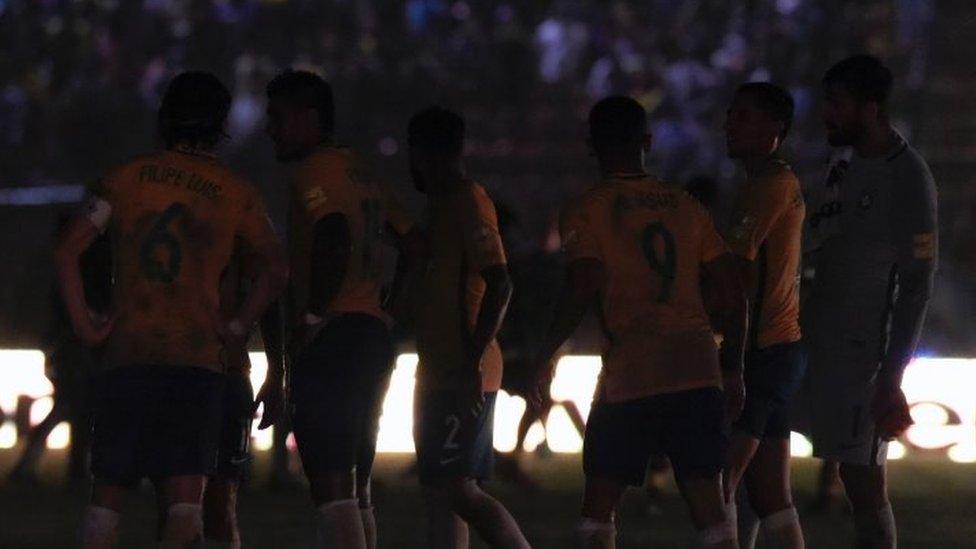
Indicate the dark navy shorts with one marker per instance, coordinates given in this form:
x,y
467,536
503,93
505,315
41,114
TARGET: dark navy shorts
x,y
337,391
772,377
452,443
156,422
233,453
686,426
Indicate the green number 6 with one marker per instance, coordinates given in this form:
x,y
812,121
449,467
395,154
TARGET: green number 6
x,y
663,266
160,236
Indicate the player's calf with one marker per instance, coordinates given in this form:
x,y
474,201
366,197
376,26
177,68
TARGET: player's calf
x,y
487,515
220,527
184,526
874,522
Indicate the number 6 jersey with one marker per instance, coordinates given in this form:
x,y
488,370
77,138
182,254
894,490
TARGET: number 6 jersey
x,y
652,240
174,218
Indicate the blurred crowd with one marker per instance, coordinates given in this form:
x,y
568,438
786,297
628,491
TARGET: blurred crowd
x,y
80,79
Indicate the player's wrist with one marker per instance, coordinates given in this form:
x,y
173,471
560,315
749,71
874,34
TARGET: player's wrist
x,y
237,328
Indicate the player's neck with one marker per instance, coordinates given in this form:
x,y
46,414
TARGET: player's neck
x,y
447,180
758,164
877,140
625,167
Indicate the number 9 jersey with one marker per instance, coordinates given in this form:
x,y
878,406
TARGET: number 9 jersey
x,y
174,219
652,240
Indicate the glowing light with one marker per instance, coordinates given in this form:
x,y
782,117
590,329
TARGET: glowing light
x,y
561,433
396,423
534,437
8,435
963,453
40,409
896,450
575,379
928,413
60,437
21,374
800,446
508,412
262,440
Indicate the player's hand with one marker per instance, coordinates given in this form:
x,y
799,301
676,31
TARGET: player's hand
x,y
472,393
272,395
890,410
735,394
543,368
96,330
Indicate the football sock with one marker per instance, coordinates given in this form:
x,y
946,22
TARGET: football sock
x,y
719,535
781,530
340,525
99,528
593,534
184,525
876,529
745,519
369,526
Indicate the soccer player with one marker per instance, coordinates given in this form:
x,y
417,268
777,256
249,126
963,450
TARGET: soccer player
x,y
462,298
765,237
220,525
342,366
638,249
174,217
875,220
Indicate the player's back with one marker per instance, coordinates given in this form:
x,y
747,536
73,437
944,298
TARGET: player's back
x,y
334,180
175,217
652,240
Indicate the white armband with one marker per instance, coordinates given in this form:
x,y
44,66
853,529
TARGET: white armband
x,y
99,212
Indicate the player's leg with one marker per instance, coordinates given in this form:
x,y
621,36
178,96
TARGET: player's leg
x,y
455,449
326,421
220,525
596,529
377,364
181,447
120,404
768,483
867,490
25,470
694,438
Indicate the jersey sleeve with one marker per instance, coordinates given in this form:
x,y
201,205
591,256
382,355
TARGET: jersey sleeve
x,y
320,191
482,241
914,220
577,231
755,217
712,244
98,201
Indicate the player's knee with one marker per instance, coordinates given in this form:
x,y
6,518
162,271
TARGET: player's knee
x,y
330,487
865,486
220,518
184,525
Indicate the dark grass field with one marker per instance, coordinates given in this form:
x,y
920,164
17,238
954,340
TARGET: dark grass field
x,y
935,504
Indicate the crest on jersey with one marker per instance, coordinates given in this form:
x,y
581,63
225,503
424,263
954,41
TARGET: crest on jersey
x,y
743,227
865,202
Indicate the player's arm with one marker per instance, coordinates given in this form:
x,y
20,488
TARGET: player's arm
x,y
271,393
485,255
270,277
914,225
753,223
411,245
76,238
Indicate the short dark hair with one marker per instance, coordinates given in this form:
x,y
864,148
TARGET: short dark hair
x,y
863,76
437,130
772,100
305,89
194,110
617,120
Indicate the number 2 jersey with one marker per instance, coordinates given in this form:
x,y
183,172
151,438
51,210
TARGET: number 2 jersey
x,y
652,240
174,219
333,181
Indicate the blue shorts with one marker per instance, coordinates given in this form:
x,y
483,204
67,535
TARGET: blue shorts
x,y
233,452
337,390
686,426
156,422
452,443
772,378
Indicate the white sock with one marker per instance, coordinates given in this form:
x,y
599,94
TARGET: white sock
x,y
369,526
876,529
717,535
340,525
184,525
781,530
99,528
593,534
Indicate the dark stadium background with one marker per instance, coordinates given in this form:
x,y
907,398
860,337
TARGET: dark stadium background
x,y
80,82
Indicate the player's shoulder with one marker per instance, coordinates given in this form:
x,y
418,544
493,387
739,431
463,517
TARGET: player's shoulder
x,y
327,162
473,195
908,165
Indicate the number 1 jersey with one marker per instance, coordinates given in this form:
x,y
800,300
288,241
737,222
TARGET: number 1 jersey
x,y
174,219
652,240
